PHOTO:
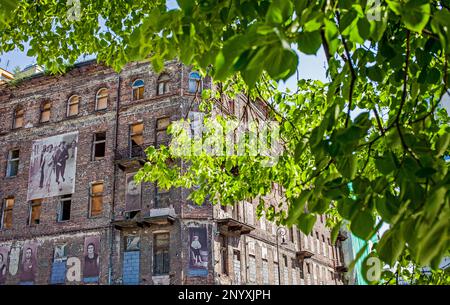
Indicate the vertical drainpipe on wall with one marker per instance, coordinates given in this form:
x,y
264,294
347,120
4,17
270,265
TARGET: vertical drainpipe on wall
x,y
116,127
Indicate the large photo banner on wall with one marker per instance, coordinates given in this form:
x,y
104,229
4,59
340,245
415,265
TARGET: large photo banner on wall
x,y
4,253
198,252
53,166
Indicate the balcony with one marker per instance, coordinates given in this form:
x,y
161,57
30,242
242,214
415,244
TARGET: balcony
x,y
131,157
302,254
341,268
342,235
161,216
233,227
131,219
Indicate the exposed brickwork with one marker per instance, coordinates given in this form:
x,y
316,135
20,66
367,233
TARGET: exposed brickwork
x,y
113,226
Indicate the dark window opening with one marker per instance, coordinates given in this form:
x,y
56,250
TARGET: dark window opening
x,y
13,163
99,145
35,212
161,263
64,208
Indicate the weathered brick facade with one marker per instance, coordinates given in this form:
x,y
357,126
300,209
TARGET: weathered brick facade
x,y
127,237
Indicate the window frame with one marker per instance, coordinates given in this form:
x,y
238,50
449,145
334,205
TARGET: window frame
x,y
93,195
4,210
158,250
63,199
98,96
34,203
198,80
137,87
44,109
131,133
15,116
163,79
95,142
70,103
10,160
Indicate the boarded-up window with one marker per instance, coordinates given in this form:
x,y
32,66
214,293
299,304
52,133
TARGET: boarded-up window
x,y
138,89
161,130
163,84
35,212
161,244
99,145
7,213
101,99
18,117
73,105
64,208
46,108
96,195
12,167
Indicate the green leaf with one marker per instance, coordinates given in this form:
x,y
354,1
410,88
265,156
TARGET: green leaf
x,y
309,42
375,73
387,207
363,224
390,246
306,223
281,63
348,166
279,11
414,13
425,172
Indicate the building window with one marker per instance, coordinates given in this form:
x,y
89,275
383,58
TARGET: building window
x,y
65,204
138,89
101,99
291,234
265,272
96,202
162,199
163,84
195,82
317,242
224,254
161,130
73,105
7,213
35,212
18,117
161,244
136,139
12,167
99,146
46,108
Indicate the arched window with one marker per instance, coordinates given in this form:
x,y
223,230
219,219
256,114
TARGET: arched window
x,y
138,89
101,99
73,105
46,108
195,82
163,84
18,117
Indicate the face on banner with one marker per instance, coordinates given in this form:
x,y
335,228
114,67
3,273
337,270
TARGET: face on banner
x,y
4,252
53,166
28,263
198,252
91,269
133,194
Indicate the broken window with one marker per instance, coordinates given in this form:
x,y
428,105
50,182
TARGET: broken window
x,y
161,244
65,204
18,117
46,108
136,139
12,167
138,89
96,202
163,84
99,146
7,213
35,212
195,82
73,105
101,99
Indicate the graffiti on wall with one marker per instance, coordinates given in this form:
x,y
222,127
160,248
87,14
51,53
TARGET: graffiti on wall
x,y
91,269
58,275
28,264
198,251
53,166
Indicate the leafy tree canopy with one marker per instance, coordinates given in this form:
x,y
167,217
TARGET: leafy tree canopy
x,y
388,59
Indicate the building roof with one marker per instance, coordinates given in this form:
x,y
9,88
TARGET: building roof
x,y
5,76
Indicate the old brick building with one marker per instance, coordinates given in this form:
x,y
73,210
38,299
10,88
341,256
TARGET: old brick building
x,y
89,127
